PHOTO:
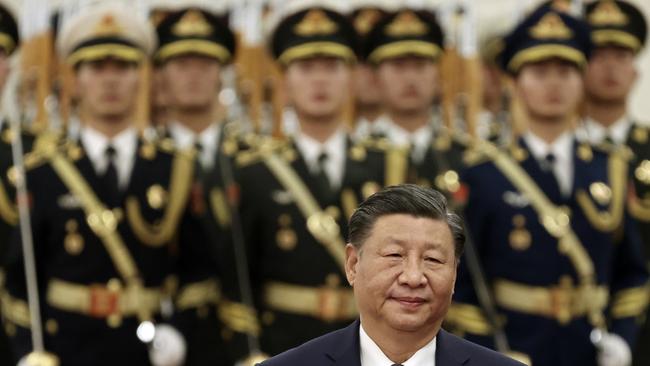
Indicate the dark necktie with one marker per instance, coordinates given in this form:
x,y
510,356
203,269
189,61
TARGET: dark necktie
x,y
609,140
548,163
324,184
413,152
548,166
110,178
198,149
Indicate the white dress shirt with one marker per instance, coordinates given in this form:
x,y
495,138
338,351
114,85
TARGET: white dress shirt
x,y
363,128
73,128
125,145
419,140
372,355
334,147
185,138
290,122
562,149
596,133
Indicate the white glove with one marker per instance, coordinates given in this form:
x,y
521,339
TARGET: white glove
x,y
23,361
613,351
39,359
168,347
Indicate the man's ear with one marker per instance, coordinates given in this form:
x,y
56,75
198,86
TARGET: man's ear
x,y
351,260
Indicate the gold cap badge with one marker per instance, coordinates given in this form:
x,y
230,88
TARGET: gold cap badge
x,y
315,22
551,26
407,24
607,13
366,19
193,23
107,26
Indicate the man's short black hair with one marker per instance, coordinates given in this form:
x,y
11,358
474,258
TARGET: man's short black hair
x,y
406,199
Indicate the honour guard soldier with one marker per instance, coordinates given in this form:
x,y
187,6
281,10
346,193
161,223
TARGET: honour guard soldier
x,y
112,238
619,32
194,46
405,49
558,251
493,119
8,214
298,192
368,105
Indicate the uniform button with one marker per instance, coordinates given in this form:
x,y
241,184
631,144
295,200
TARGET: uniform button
x,y
286,239
114,285
51,326
73,243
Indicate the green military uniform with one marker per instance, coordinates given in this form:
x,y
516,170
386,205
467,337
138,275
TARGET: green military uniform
x,y
114,241
621,24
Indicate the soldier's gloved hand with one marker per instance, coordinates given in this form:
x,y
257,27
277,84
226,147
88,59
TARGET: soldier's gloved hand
x,y
168,347
613,351
39,359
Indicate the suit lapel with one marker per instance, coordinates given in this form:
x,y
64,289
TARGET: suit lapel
x,y
448,351
345,350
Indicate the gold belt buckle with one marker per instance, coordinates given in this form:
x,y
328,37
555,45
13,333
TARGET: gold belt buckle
x,y
103,302
330,303
562,300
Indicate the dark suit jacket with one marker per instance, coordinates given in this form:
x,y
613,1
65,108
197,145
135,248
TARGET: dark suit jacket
x,y
342,348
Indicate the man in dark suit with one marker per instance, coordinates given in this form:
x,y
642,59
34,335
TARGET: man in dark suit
x,y
297,193
401,261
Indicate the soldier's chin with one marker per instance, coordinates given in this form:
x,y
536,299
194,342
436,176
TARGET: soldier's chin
x,y
113,115
412,107
552,114
194,106
320,112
